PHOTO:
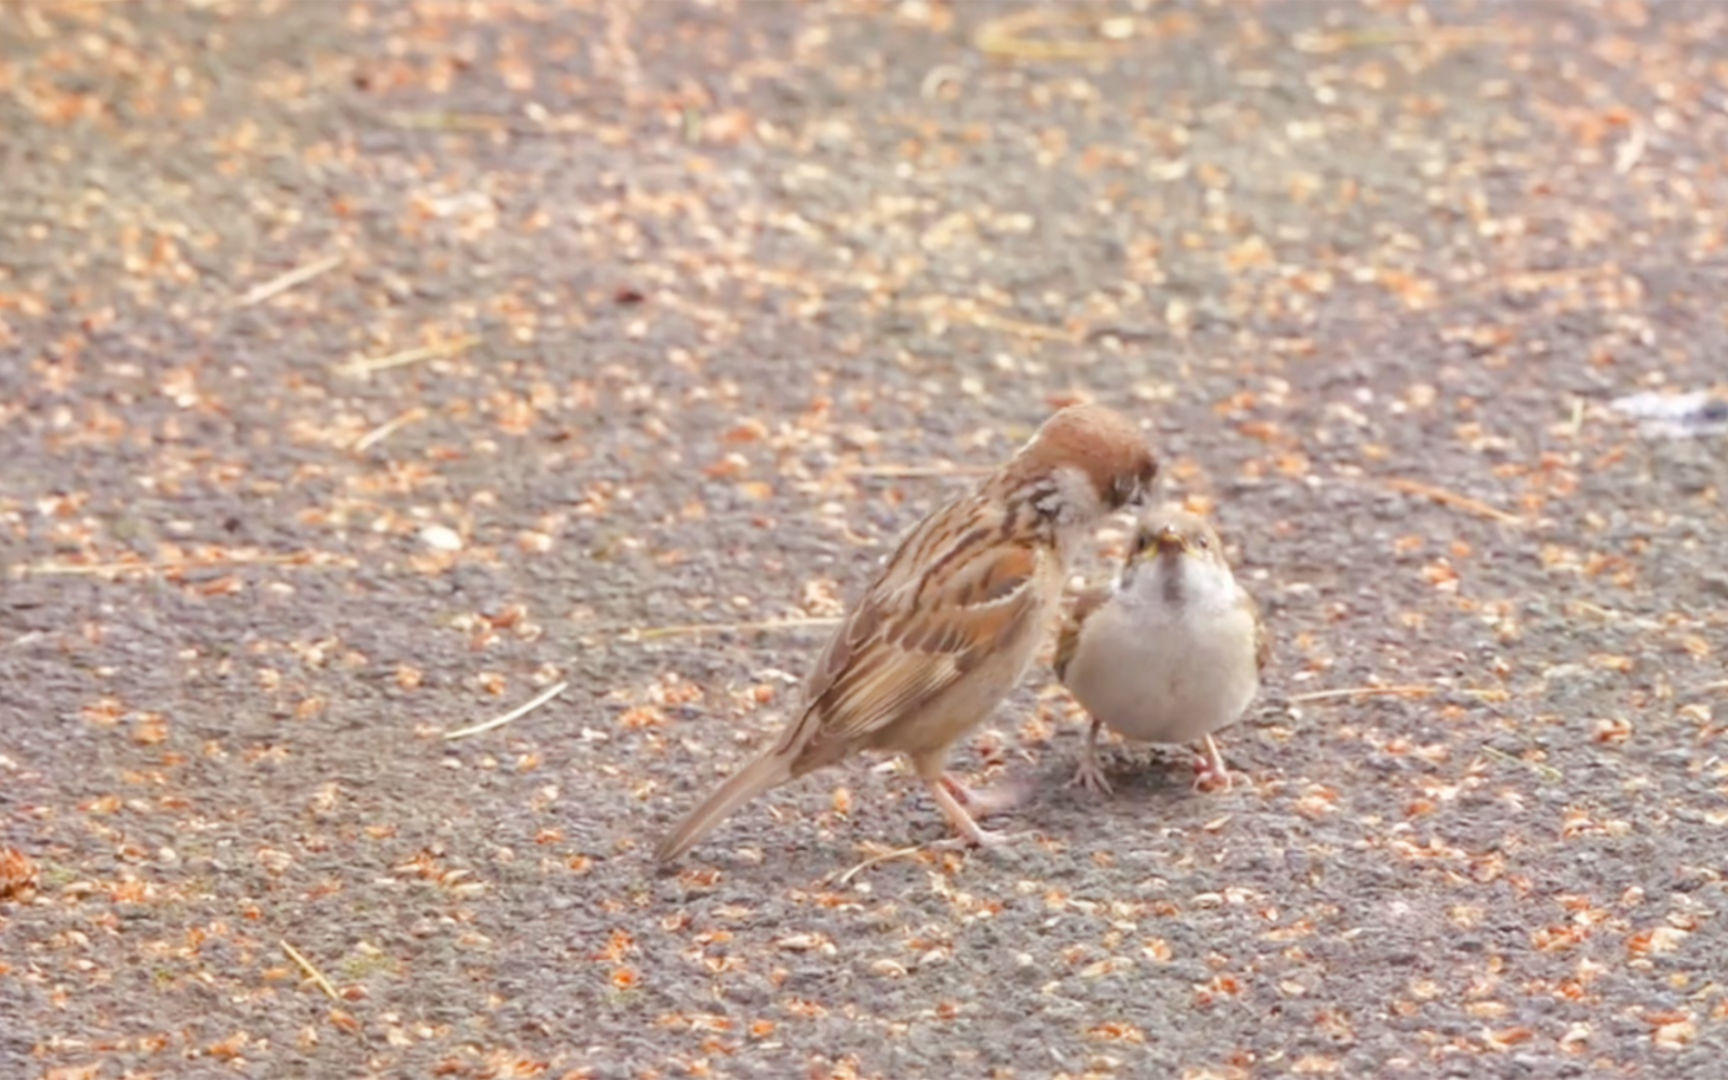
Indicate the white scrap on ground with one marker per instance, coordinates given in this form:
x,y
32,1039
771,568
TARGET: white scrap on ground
x,y
1676,416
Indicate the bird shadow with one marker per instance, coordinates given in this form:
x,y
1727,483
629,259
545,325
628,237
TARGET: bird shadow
x,y
876,836
1156,776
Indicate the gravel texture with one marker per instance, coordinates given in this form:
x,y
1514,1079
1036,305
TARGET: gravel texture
x,y
368,369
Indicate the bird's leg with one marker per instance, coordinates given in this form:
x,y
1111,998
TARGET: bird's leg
x,y
951,798
1209,769
959,820
1090,775
982,804
967,831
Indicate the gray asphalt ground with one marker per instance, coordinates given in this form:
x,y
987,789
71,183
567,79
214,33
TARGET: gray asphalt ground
x,y
367,370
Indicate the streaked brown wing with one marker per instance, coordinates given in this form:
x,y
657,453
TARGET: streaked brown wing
x,y
894,660
1262,638
892,588
1068,638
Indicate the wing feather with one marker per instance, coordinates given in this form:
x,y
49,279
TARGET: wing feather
x,y
1068,638
1262,638
892,656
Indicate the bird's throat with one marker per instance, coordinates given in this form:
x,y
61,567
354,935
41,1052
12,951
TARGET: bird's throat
x,y
1172,580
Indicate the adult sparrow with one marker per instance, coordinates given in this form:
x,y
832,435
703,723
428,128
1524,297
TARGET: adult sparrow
x,y
951,620
1172,652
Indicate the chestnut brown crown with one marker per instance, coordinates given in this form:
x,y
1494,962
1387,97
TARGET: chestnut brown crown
x,y
1099,442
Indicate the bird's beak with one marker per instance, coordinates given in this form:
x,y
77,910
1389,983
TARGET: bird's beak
x,y
1168,541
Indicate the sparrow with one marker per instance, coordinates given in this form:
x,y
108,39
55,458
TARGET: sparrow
x,y
1171,652
951,621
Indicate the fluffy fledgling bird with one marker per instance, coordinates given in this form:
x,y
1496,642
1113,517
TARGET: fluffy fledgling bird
x,y
951,621
1172,652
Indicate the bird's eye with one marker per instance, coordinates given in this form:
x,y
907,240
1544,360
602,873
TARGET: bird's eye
x,y
1203,543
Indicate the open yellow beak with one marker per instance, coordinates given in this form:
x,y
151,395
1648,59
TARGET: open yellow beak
x,y
1168,541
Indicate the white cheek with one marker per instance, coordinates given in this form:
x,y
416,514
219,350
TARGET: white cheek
x,y
1074,506
1076,500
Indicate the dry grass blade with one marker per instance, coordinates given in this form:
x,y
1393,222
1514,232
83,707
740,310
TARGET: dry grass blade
x,y
408,356
962,312
1332,41
448,121
938,77
695,629
914,471
298,558
1454,500
1528,281
1006,36
1631,151
1546,772
1361,692
293,278
878,858
984,320
312,973
384,431
514,714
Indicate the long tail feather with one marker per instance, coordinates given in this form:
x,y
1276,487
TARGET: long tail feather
x,y
750,781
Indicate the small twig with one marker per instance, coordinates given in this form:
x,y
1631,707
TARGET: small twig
x,y
1361,692
312,973
1006,37
914,471
1444,36
514,714
298,276
409,356
692,629
1022,327
301,558
1546,772
1627,157
535,121
448,121
1125,334
1708,688
937,77
886,856
1529,281
1492,693
987,320
384,431
1453,499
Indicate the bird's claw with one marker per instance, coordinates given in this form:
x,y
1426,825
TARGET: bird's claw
x,y
1090,775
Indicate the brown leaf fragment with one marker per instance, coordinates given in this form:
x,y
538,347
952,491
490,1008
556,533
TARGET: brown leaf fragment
x,y
17,874
1659,939
1115,1031
1611,731
228,1049
1507,1038
1674,1034
345,1021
